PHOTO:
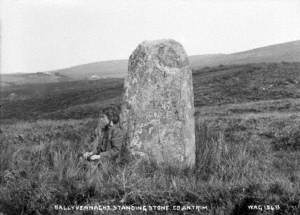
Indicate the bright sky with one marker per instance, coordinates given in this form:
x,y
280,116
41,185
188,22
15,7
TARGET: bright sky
x,y
40,35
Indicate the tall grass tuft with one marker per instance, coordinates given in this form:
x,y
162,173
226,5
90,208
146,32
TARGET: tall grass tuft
x,y
234,168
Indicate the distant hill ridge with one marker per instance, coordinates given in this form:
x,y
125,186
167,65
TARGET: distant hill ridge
x,y
289,52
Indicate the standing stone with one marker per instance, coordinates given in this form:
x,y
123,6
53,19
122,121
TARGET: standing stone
x,y
158,103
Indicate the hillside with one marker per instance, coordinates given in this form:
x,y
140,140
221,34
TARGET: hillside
x,y
91,71
212,86
289,52
104,69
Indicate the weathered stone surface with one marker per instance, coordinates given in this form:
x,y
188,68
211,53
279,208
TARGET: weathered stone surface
x,y
158,103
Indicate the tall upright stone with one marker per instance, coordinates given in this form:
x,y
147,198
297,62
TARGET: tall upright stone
x,y
158,103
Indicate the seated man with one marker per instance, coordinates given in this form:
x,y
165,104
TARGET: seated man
x,y
109,137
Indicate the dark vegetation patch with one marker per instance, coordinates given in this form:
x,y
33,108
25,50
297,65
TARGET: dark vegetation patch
x,y
244,83
47,100
212,86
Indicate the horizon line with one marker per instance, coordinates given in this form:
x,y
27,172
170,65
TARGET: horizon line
x,y
123,59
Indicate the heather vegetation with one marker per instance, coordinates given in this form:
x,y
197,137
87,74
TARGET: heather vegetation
x,y
247,136
212,86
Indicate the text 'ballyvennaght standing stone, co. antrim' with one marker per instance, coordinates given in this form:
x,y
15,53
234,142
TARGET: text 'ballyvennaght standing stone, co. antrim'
x,y
158,103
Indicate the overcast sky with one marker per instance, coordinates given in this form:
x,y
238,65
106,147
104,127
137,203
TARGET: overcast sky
x,y
40,35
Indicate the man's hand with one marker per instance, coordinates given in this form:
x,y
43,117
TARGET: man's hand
x,y
94,157
87,154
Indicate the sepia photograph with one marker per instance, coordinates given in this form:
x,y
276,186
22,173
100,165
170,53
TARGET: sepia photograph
x,y
132,107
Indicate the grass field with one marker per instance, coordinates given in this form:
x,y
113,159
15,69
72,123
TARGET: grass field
x,y
247,145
